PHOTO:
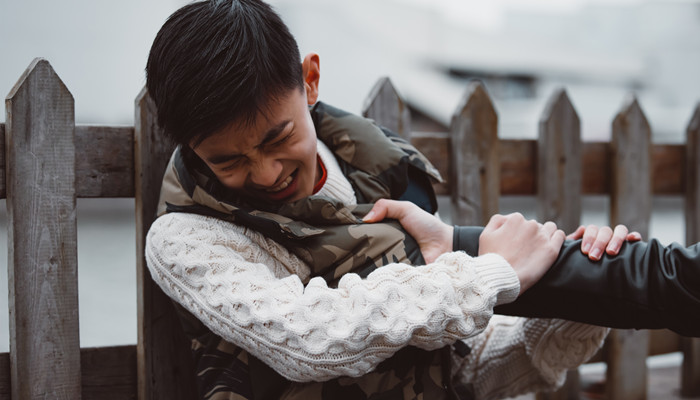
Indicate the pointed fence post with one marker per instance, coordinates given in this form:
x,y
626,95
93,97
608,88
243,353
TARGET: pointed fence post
x,y
690,374
559,187
559,164
42,237
387,108
2,162
164,363
630,204
475,158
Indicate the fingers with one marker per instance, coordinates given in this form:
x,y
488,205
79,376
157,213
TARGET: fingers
x,y
619,235
634,236
577,234
603,237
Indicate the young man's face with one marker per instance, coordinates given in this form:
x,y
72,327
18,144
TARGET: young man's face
x,y
274,158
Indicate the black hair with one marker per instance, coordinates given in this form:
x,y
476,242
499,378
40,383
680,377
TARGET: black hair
x,y
218,62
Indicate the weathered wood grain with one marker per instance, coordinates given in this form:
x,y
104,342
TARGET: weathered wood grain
x,y
2,161
5,381
630,204
559,164
105,162
165,369
385,105
474,158
559,188
690,374
42,237
108,373
114,175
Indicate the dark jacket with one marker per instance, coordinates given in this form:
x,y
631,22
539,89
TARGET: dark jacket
x,y
646,286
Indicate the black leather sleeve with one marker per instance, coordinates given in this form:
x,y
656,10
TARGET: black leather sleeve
x,y
645,286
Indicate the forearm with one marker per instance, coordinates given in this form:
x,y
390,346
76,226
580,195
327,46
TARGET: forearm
x,y
646,285
314,332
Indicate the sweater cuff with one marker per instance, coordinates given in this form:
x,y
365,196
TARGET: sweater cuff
x,y
466,238
495,275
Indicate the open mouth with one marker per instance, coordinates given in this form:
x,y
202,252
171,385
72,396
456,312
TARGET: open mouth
x,y
285,189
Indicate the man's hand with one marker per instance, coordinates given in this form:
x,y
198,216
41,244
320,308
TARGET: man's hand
x,y
529,247
596,240
433,236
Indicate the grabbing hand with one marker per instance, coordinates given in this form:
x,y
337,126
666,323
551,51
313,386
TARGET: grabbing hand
x,y
529,247
596,240
434,237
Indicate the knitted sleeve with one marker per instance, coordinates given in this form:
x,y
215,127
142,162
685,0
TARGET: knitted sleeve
x,y
513,355
248,290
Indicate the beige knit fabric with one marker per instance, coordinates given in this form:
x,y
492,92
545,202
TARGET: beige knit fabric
x,y
248,290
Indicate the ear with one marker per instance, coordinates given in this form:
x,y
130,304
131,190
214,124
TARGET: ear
x,y
312,72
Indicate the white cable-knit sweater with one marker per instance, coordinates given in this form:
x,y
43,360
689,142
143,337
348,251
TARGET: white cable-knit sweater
x,y
249,290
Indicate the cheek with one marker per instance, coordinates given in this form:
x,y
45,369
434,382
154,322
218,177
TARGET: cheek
x,y
231,180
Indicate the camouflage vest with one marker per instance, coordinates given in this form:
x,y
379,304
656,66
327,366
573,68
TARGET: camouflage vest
x,y
331,238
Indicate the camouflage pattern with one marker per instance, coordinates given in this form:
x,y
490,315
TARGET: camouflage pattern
x,y
331,238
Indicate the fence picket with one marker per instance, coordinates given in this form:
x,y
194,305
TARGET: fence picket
x,y
42,237
164,363
2,161
630,204
559,187
559,164
475,162
386,105
690,373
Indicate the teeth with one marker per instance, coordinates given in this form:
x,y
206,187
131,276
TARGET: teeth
x,y
281,186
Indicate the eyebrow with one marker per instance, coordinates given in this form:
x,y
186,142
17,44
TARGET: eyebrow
x,y
269,136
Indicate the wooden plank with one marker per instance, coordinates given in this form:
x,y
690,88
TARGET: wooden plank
x,y
5,386
385,105
518,164
559,164
690,373
559,188
107,373
474,158
518,167
630,204
434,146
2,161
165,367
42,237
105,165
114,175
105,162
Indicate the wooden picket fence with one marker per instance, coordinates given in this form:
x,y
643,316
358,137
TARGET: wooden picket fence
x,y
46,162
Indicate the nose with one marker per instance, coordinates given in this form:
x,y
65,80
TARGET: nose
x,y
265,171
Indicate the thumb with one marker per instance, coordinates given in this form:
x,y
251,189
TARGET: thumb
x,y
384,208
377,213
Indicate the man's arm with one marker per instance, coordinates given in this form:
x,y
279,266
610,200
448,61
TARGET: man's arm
x,y
253,293
645,286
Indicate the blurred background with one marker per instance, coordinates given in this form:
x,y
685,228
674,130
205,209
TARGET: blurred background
x,y
600,51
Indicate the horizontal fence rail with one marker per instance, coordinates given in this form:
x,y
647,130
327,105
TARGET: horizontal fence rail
x,y
46,162
113,176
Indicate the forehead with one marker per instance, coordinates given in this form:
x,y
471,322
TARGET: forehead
x,y
245,133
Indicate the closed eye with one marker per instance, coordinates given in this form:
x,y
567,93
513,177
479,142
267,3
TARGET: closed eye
x,y
280,142
233,164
